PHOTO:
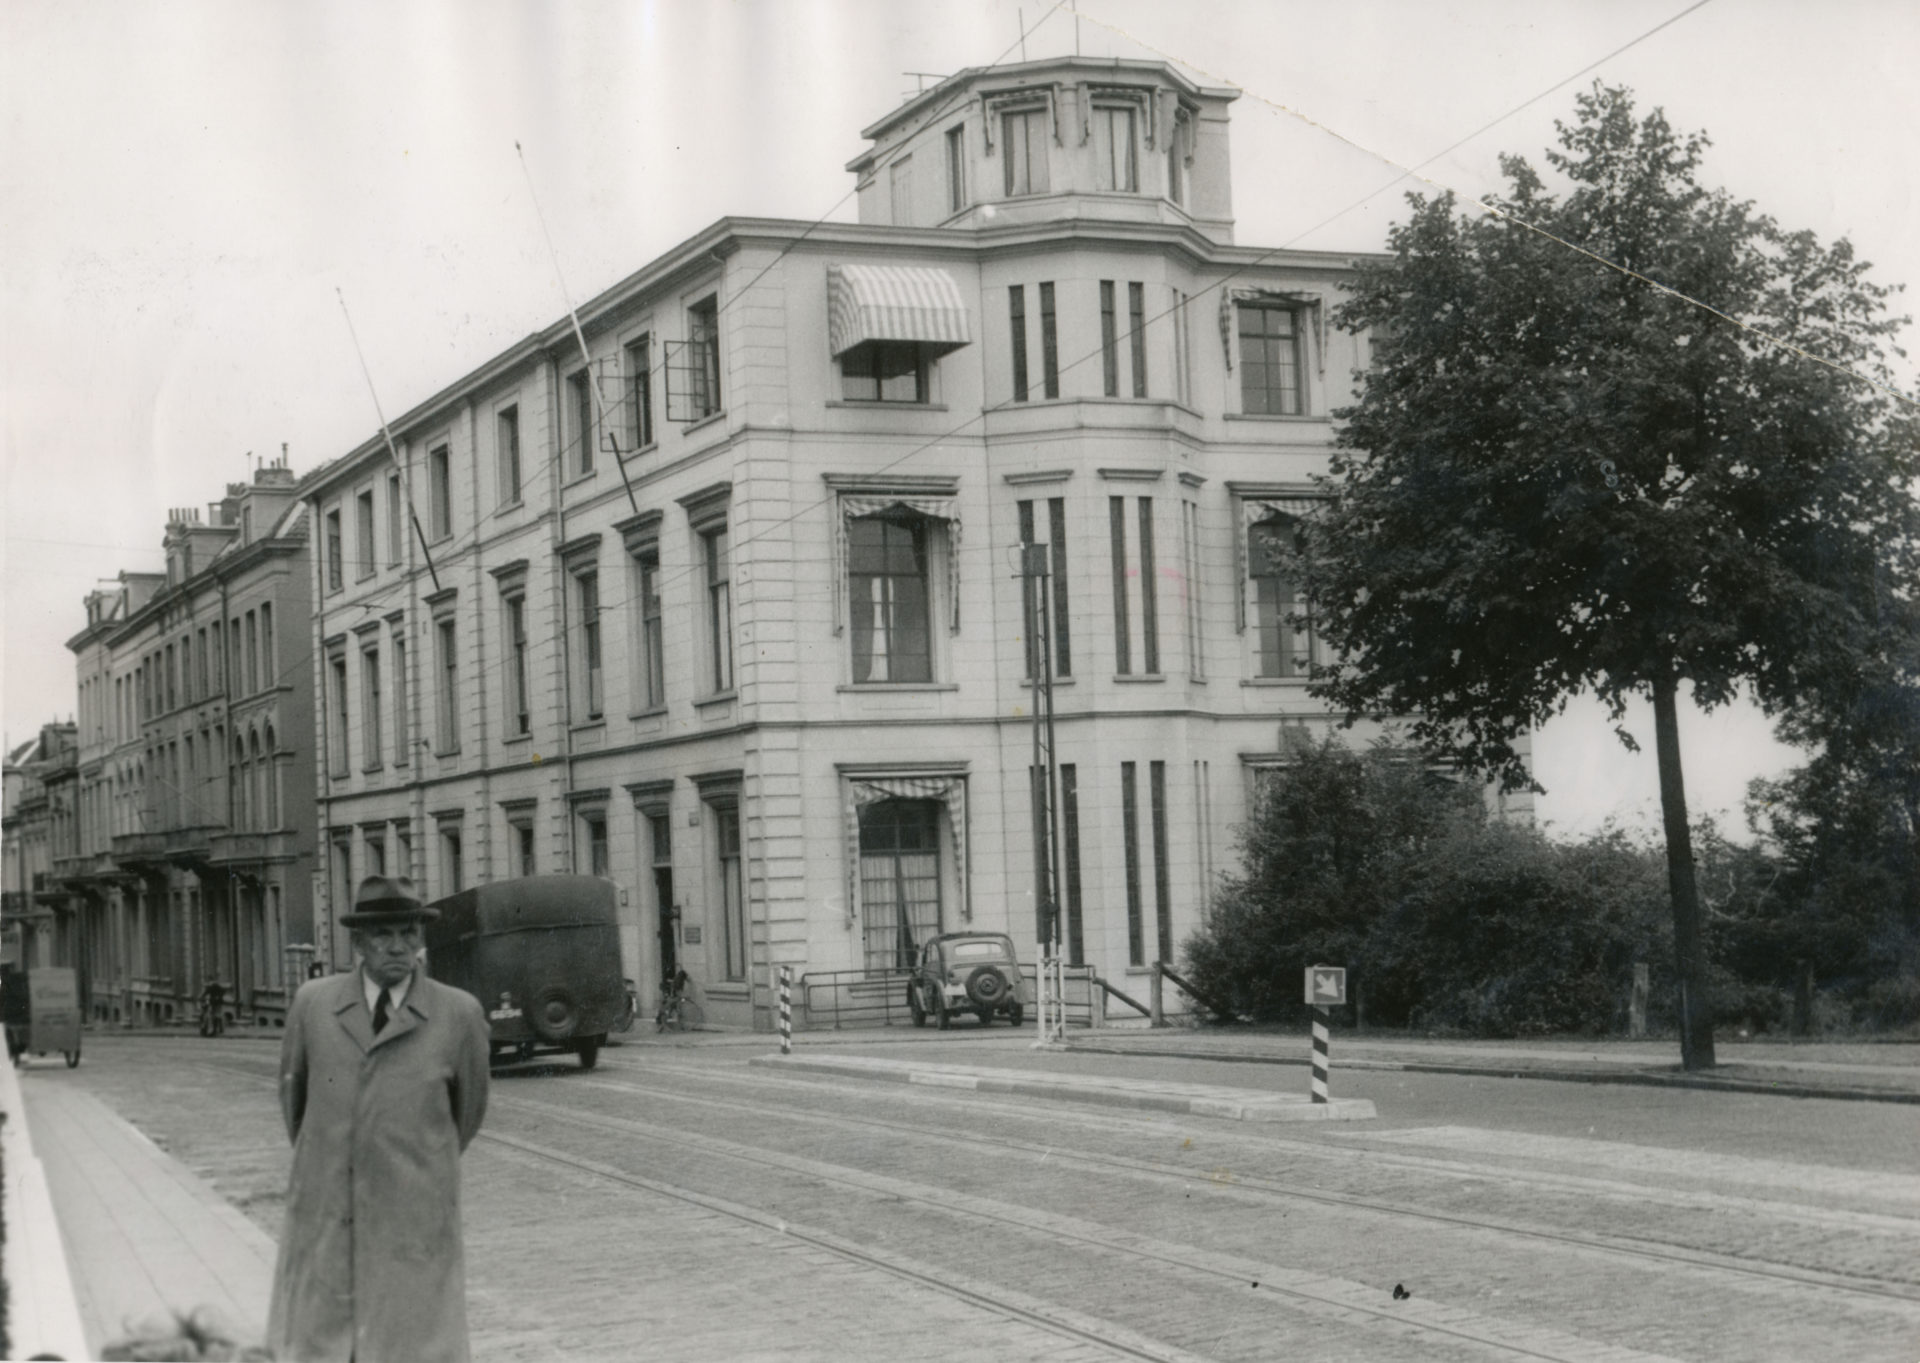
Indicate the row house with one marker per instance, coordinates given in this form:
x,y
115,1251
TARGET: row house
x,y
36,824
194,852
729,609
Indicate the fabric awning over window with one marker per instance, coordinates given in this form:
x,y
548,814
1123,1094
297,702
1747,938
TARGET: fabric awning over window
x,y
950,790
938,508
894,303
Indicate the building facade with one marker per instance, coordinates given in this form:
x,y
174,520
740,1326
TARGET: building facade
x,y
37,824
193,855
731,608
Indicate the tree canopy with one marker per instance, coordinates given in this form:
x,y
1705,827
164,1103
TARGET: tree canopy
x,y
1594,451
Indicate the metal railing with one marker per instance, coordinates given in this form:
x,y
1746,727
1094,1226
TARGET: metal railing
x,y
837,999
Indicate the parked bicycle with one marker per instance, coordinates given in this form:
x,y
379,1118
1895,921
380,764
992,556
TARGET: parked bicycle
x,y
676,1008
213,1018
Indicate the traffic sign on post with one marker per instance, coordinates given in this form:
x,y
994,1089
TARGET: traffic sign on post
x,y
1326,985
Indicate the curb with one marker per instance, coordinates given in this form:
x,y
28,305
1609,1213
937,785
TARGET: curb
x,y
1199,1101
43,1313
1641,1078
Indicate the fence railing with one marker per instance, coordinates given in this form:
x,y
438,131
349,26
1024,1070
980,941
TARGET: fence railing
x,y
878,998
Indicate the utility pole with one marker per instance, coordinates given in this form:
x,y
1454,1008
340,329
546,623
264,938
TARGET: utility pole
x,y
1034,571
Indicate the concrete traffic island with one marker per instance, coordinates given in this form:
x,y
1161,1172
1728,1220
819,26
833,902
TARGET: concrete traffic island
x,y
1199,1100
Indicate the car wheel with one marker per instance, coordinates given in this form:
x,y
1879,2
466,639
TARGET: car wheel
x,y
915,1007
987,987
1016,1015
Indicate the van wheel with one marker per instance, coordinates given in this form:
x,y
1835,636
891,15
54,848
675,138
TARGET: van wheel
x,y
589,1048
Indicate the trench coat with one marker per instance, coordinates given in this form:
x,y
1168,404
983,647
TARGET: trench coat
x,y
370,1265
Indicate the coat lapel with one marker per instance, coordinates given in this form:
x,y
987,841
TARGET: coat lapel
x,y
351,1011
409,1015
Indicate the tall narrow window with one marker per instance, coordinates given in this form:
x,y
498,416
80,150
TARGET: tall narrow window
x,y
586,590
1149,592
640,390
272,780
402,732
453,871
956,169
899,880
506,438
1017,320
1130,835
1162,889
1055,539
733,903
888,599
1137,335
363,536
1270,360
580,411
1023,143
336,571
1182,363
719,608
652,633
703,357
1109,341
1122,628
371,708
1177,137
1049,343
440,490
1191,591
337,679
269,669
396,519
449,668
1115,163
519,715
1070,861
1285,649
593,829
253,656
520,831
900,190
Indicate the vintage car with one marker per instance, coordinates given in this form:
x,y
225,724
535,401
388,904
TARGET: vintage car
x,y
542,954
966,972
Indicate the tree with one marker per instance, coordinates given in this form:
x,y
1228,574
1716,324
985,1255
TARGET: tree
x,y
1562,475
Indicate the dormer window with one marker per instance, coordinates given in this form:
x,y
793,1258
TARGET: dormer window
x,y
1116,149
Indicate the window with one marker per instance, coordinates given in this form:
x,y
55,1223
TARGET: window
x,y
396,515
440,493
719,608
1182,363
253,657
272,778
506,443
1270,360
1177,139
1192,589
1130,835
652,632
1162,890
884,371
519,716
337,744
1109,341
186,672
452,869
206,672
899,880
587,672
580,412
363,531
449,670
733,906
640,390
888,599
402,732
1283,648
1049,343
1070,861
335,570
269,671
236,659
1126,570
173,693
593,859
1115,163
370,700
523,860
900,190
703,357
1137,335
1017,317
375,845
1023,141
956,168
1056,539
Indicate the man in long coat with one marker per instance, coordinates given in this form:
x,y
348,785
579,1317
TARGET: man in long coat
x,y
383,1080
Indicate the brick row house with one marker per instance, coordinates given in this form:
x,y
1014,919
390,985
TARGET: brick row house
x,y
729,610
192,857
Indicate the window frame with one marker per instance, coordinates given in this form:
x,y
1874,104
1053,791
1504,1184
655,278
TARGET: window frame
x,y
446,639
639,359
363,533
1017,332
507,452
921,531
580,418
716,550
374,755
440,492
1284,658
871,355
1049,341
1107,176
336,570
583,591
1296,338
1019,179
704,394
513,603
956,144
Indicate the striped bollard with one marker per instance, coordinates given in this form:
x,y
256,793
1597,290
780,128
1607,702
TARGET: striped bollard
x,y
786,1010
1320,1055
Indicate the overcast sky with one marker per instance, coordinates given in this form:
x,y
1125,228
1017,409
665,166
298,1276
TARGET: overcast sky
x,y
186,184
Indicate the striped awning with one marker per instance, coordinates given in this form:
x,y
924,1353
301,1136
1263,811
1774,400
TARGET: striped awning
x,y
894,303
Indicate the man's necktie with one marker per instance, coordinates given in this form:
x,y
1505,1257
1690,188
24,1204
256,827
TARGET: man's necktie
x,y
380,1013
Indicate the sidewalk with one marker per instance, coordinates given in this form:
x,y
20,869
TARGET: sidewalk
x,y
146,1238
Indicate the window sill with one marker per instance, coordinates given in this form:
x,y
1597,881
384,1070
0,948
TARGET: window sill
x,y
510,739
517,504
858,687
717,698
1272,416
863,405
651,712
376,767
1275,681
579,478
588,726
1139,676
727,989
1026,683
705,421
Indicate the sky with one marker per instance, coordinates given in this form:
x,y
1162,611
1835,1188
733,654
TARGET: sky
x,y
190,190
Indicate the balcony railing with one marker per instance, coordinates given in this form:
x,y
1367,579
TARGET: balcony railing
x,y
231,848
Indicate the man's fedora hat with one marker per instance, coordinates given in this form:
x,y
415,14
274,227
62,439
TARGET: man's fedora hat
x,y
386,900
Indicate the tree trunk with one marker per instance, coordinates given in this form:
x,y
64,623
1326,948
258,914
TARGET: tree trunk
x,y
1689,929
